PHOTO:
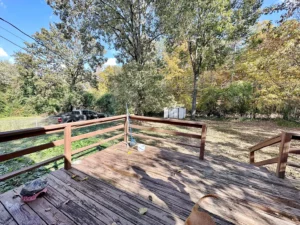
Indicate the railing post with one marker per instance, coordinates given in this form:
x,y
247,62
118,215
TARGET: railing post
x,y
283,153
202,144
251,157
67,143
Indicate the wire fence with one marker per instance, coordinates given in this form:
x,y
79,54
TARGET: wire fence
x,y
7,124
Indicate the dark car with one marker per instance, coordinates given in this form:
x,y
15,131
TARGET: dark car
x,y
76,115
85,114
61,118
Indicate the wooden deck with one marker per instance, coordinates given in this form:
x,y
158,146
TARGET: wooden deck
x,y
113,184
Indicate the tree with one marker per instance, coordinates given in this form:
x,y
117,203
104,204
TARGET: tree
x,y
208,27
290,7
8,75
131,27
178,75
271,62
144,91
62,67
107,104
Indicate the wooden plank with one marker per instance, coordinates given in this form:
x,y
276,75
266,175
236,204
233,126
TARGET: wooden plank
x,y
265,143
294,151
164,131
25,133
46,211
67,148
5,217
155,167
118,201
296,136
238,175
94,124
26,169
293,164
20,211
202,144
30,132
97,121
167,121
26,151
251,157
98,210
283,154
71,208
98,132
162,140
198,172
266,162
165,192
150,181
97,144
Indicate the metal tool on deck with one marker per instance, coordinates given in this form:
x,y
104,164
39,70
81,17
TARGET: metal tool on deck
x,y
132,141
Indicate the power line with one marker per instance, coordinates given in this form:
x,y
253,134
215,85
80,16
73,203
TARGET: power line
x,y
17,29
37,41
19,46
13,43
12,33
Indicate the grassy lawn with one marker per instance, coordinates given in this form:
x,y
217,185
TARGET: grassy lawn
x,y
15,123
21,162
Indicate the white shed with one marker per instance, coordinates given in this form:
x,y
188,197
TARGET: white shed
x,y
175,113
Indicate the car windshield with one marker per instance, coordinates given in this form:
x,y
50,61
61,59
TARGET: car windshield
x,y
76,113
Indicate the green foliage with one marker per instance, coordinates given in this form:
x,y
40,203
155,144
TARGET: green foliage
x,y
143,90
58,71
88,101
210,101
272,65
208,27
287,123
107,104
237,98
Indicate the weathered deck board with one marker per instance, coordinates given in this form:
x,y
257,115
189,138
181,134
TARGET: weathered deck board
x,y
119,182
258,199
6,218
268,204
20,211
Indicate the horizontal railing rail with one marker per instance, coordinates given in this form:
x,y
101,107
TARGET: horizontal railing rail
x,y
68,139
284,139
201,136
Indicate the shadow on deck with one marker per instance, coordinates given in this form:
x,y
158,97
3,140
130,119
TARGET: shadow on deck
x,y
112,185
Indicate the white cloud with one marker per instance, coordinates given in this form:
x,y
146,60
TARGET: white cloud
x,y
3,53
110,62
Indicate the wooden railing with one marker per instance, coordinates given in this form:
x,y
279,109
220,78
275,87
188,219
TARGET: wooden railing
x,y
66,141
68,138
201,136
284,139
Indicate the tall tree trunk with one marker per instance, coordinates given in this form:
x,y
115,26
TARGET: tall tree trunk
x,y
194,96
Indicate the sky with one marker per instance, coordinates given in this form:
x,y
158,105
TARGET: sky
x,y
32,15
